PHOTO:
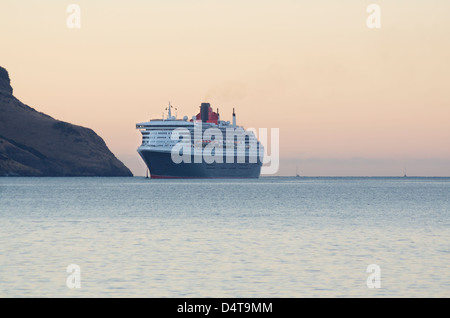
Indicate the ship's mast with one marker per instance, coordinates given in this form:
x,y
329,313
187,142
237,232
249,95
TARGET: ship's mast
x,y
170,113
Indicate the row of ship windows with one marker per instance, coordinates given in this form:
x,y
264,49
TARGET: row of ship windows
x,y
157,133
205,142
153,137
193,146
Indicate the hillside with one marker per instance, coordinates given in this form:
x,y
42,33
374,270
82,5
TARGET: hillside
x,y
35,144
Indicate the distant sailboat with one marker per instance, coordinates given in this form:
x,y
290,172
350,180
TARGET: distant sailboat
x,y
404,176
296,172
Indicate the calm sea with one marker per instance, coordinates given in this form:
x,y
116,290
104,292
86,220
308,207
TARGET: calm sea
x,y
272,237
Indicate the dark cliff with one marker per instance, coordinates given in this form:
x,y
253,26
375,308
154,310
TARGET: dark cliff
x,y
35,144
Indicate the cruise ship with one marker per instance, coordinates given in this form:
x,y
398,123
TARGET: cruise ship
x,y
202,147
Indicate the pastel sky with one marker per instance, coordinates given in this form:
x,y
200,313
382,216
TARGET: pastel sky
x,y
349,100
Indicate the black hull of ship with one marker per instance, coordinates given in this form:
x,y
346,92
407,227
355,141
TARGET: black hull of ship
x,y
161,166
